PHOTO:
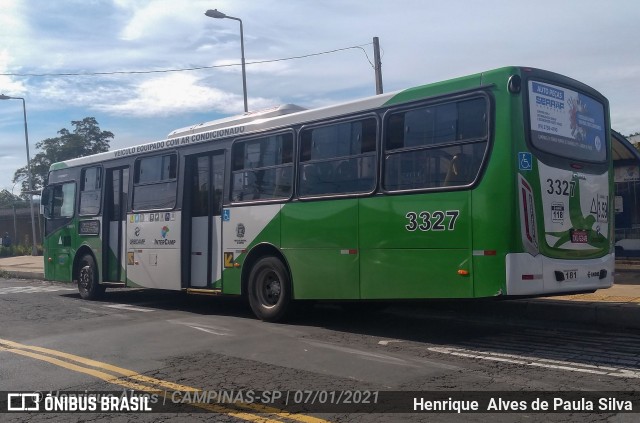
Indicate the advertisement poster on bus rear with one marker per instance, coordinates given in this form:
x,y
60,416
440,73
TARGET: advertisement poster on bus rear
x,y
566,122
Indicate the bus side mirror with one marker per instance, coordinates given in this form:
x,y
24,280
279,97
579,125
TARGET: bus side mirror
x,y
45,203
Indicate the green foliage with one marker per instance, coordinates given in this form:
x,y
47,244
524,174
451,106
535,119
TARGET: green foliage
x,y
86,139
18,250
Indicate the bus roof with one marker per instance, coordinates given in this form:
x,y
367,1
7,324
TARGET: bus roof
x,y
286,115
284,109
273,118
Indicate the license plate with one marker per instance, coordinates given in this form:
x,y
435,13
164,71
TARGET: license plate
x,y
579,237
570,274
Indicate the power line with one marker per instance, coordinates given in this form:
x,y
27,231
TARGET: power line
x,y
192,68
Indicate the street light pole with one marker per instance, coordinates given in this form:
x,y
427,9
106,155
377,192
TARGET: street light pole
x,y
34,250
219,15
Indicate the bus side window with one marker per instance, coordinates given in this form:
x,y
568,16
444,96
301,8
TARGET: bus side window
x,y
90,191
472,118
61,201
155,183
459,170
262,168
338,158
435,146
45,202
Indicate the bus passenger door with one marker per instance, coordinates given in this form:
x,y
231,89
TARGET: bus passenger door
x,y
202,208
114,225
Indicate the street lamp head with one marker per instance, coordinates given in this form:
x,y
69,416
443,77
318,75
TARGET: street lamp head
x,y
219,15
215,14
5,97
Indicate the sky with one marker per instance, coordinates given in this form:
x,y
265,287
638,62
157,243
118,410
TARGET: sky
x,y
422,41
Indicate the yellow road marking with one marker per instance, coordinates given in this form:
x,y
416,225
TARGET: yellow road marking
x,y
95,373
17,348
105,366
299,417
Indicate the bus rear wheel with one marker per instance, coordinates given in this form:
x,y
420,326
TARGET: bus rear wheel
x,y
269,289
88,284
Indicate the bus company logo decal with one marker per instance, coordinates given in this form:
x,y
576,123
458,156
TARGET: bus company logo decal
x,y
136,240
164,241
240,230
240,233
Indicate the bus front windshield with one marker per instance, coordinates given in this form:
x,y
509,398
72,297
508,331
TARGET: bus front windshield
x,y
567,123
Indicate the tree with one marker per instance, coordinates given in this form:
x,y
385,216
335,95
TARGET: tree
x,y
7,199
635,144
86,139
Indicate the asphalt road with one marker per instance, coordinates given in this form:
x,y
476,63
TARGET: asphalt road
x,y
52,340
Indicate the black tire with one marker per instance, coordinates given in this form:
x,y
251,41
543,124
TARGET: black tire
x,y
88,285
269,289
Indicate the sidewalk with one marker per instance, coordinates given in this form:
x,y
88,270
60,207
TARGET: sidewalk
x,y
25,267
616,307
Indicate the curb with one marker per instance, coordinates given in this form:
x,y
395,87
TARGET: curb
x,y
19,274
627,266
595,314
530,312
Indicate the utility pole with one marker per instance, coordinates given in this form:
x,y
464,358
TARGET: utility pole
x,y
34,249
377,65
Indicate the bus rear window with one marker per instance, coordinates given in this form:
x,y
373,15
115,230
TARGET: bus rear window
x,y
567,123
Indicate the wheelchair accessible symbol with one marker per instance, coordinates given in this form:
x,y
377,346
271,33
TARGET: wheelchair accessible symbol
x,y
524,161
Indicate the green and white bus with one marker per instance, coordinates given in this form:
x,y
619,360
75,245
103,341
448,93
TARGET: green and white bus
x,y
493,184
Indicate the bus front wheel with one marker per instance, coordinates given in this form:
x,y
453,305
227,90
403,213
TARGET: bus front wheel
x,y
88,284
269,289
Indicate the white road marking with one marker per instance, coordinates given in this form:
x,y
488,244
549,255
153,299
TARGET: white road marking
x,y
383,358
539,362
89,310
128,307
388,341
208,330
204,328
32,289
